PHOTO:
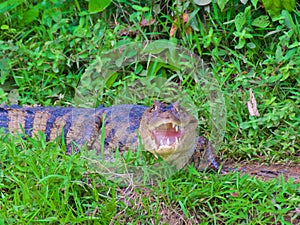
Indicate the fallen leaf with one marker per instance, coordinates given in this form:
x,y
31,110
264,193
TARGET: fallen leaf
x,y
188,30
185,18
173,28
235,194
252,106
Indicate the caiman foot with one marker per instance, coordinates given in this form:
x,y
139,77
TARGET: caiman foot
x,y
204,156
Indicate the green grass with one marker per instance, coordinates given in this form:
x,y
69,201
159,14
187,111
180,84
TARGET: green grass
x,y
39,183
43,59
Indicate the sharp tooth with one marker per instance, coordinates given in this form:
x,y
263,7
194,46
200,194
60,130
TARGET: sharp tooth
x,y
161,142
168,141
176,128
176,140
173,125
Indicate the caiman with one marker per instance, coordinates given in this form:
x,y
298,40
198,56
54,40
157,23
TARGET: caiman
x,y
167,131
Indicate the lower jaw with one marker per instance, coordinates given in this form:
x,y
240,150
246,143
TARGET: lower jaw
x,y
165,152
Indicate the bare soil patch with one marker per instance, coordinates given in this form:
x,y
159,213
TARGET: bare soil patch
x,y
266,172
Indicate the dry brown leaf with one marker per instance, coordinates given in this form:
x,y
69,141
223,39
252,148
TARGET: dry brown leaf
x,y
252,106
235,194
173,28
185,18
188,30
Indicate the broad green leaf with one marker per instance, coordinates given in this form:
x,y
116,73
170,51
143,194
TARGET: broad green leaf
x,y
261,21
31,15
3,97
240,21
289,5
241,43
254,3
247,12
275,78
8,5
4,27
241,18
207,39
274,7
110,81
247,35
193,20
96,6
154,67
222,3
77,5
288,20
138,69
140,8
295,45
4,70
278,54
251,45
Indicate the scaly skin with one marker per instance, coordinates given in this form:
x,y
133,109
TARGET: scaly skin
x,y
168,131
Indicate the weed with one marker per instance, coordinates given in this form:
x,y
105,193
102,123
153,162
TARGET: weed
x,y
45,48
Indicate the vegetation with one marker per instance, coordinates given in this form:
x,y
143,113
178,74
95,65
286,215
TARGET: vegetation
x,y
45,48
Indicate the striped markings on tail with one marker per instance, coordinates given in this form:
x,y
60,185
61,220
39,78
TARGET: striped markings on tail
x,y
39,122
16,120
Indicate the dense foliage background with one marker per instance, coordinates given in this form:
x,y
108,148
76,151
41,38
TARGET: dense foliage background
x,y
45,47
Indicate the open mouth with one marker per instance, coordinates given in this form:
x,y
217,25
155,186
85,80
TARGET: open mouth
x,y
167,135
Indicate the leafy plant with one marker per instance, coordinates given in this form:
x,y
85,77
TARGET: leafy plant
x,y
275,7
45,50
96,6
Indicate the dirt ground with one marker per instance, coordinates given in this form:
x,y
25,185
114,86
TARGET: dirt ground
x,y
266,172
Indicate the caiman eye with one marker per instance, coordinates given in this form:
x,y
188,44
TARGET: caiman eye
x,y
153,108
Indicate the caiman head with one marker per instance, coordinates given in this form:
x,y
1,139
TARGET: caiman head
x,y
170,132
